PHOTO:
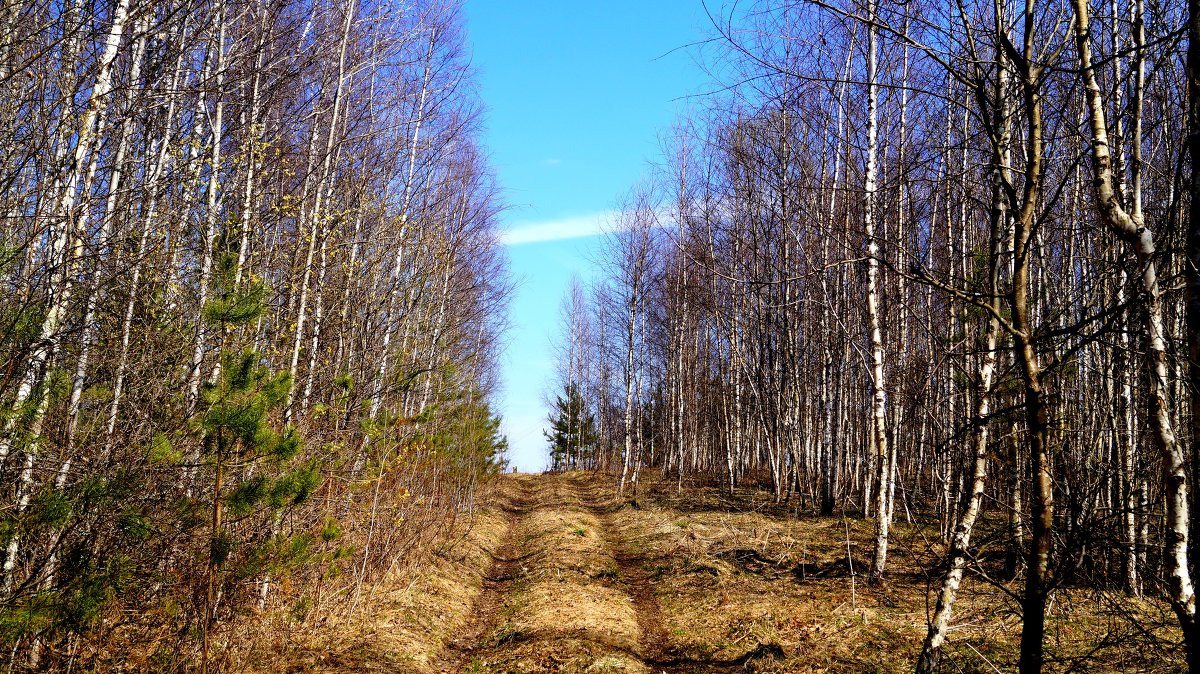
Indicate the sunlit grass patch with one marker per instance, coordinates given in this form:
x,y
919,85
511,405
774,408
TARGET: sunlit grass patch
x,y
406,618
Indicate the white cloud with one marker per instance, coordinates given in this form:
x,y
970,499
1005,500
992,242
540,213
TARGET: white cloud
x,y
574,227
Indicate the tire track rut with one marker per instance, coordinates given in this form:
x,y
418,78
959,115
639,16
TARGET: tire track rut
x,y
532,614
505,567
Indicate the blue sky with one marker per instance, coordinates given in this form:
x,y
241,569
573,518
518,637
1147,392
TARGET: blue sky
x,y
578,95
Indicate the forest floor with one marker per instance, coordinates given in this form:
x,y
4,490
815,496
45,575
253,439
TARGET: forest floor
x,y
559,574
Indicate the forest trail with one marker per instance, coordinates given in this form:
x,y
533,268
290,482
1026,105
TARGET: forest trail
x,y
557,573
570,589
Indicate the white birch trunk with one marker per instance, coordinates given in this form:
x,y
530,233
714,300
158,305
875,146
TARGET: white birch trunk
x,y
879,443
398,264
209,231
1130,228
316,229
939,626
108,224
161,151
65,235
630,333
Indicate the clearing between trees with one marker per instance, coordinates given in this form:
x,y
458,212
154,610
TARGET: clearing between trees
x,y
557,573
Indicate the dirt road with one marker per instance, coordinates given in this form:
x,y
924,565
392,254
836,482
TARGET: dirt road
x,y
574,587
557,573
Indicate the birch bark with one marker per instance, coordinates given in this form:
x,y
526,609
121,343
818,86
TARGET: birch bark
x,y
879,440
1130,227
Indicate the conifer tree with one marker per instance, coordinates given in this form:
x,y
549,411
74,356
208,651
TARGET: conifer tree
x,y
572,433
248,456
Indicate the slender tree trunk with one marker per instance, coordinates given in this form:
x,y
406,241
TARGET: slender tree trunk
x,y
209,231
1131,228
1191,629
939,626
879,441
161,151
630,339
65,235
107,231
398,264
317,230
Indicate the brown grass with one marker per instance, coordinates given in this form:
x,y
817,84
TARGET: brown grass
x,y
566,611
406,619
734,579
559,575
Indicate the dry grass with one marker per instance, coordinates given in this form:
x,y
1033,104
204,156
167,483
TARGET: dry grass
x,y
565,611
582,581
734,579
407,618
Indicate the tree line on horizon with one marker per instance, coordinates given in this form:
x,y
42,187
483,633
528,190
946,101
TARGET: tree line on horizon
x,y
938,261
252,297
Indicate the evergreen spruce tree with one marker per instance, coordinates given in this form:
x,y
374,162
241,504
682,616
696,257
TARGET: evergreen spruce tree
x,y
572,433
